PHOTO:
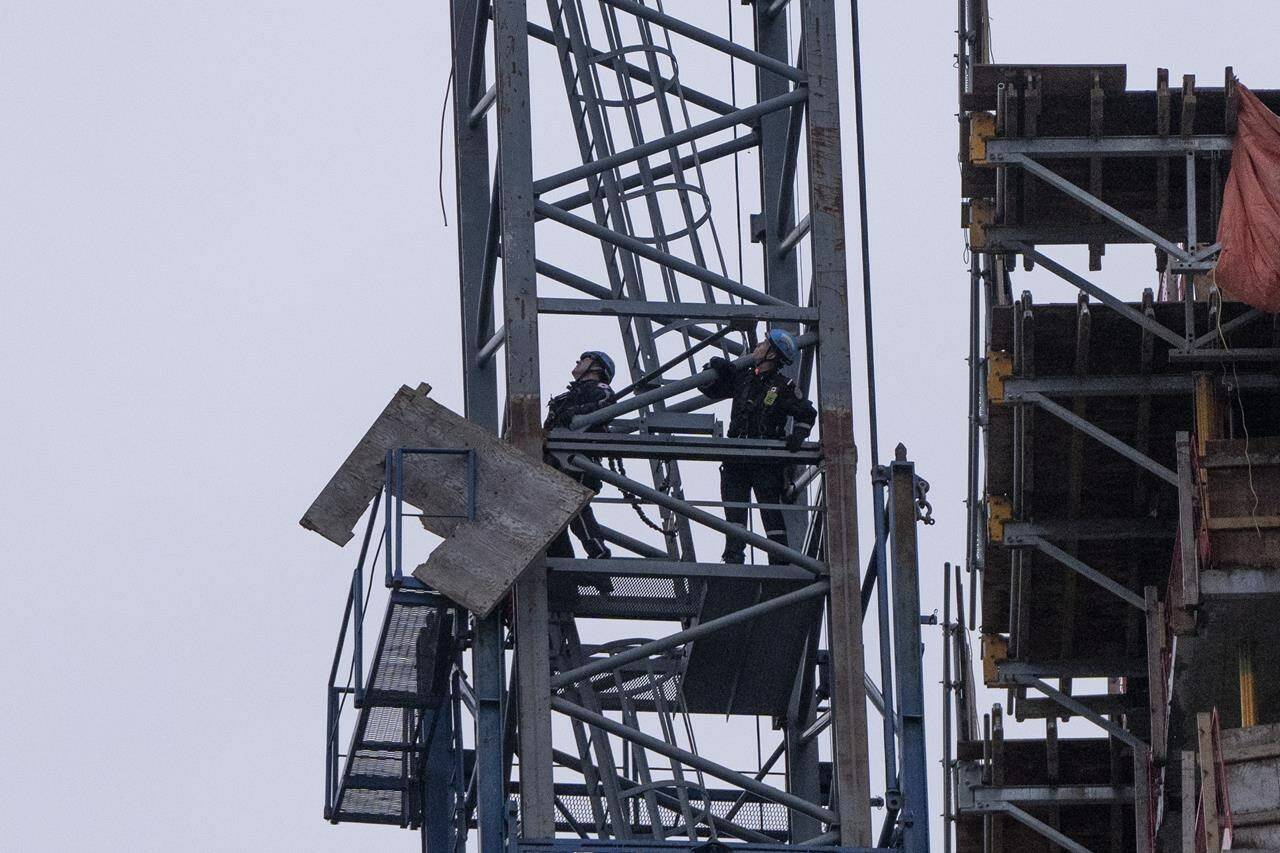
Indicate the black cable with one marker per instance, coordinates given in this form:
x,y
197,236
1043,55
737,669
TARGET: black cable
x,y
444,110
866,239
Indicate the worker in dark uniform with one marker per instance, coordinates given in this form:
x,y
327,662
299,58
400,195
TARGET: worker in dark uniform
x,y
588,391
766,404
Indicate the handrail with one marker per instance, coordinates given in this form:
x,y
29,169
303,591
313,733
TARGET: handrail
x,y
356,597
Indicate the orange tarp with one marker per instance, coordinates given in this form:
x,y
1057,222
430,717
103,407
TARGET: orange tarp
x,y
1249,230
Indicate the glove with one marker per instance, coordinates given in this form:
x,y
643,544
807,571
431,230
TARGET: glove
x,y
719,364
795,441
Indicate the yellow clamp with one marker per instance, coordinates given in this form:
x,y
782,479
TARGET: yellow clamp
x,y
999,368
981,215
982,126
995,650
999,511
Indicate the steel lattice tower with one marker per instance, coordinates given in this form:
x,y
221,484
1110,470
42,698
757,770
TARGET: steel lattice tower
x,y
592,736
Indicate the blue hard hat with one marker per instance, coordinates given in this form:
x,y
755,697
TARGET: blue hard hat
x,y
606,363
784,344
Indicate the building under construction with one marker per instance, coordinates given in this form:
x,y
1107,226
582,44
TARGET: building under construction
x,y
1123,531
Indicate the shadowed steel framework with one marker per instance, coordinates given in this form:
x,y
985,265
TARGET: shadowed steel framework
x,y
558,728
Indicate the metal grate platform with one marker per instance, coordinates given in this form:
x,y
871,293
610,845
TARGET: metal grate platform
x,y
748,668
396,680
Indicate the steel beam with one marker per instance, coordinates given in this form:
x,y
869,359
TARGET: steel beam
x,y
1102,437
1063,795
706,765
692,513
1079,567
524,406
908,654
721,825
675,310
469,20
648,252
664,170
835,406
1098,205
1082,710
671,389
635,72
1034,823
1119,306
1001,150
711,40
745,116
662,567
702,629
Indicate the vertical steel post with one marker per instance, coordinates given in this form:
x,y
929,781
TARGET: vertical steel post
x,y
835,398
777,216
948,690
781,280
524,428
469,21
437,796
909,652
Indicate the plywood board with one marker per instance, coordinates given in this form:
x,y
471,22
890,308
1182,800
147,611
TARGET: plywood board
x,y
521,503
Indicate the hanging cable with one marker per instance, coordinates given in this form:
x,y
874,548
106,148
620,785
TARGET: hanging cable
x,y
866,239
444,110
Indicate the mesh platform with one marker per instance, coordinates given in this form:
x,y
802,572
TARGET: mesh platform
x,y
764,817
409,667
663,599
748,668
375,788
396,680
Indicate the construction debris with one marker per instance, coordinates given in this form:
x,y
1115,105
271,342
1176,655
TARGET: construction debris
x,y
520,504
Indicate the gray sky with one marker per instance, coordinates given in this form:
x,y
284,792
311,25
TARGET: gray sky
x,y
222,252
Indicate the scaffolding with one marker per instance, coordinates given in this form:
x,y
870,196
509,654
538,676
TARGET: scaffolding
x,y
1095,431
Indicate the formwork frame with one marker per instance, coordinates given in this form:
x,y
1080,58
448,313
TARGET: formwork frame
x,y
1002,135
794,125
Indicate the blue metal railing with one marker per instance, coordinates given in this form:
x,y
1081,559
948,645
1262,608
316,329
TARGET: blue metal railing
x,y
391,501
357,597
395,515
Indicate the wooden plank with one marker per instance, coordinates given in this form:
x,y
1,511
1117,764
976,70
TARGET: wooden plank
x,y
1208,781
1188,801
1262,522
1155,674
1186,525
521,504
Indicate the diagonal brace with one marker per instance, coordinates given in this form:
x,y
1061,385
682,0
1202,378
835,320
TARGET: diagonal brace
x,y
1102,436
1119,306
711,768
776,549
653,647
671,141
1082,710
666,259
1096,204
1033,823
1085,570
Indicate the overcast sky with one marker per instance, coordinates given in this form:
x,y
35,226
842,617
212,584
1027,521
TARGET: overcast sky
x,y
222,251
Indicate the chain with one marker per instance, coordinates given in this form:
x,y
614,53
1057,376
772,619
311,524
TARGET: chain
x,y
616,466
924,509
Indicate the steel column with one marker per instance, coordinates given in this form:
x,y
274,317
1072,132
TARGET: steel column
x,y
469,20
524,407
835,401
908,654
